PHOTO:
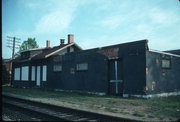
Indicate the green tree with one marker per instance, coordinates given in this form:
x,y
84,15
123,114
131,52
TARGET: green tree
x,y
26,45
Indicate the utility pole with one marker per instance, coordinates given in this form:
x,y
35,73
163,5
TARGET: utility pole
x,y
12,43
13,47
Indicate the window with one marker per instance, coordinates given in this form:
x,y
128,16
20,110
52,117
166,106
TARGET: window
x,y
25,73
166,63
71,49
33,73
17,74
44,78
82,66
57,67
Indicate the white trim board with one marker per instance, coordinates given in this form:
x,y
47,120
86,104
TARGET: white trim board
x,y
156,51
62,49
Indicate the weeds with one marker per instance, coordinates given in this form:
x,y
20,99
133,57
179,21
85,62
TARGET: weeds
x,y
154,108
113,110
138,114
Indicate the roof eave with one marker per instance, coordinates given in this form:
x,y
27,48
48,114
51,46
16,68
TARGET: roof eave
x,y
156,51
62,49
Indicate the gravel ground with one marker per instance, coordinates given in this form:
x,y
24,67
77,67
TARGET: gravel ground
x,y
11,115
6,118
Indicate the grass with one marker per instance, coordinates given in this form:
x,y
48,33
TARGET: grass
x,y
113,110
150,116
138,114
152,108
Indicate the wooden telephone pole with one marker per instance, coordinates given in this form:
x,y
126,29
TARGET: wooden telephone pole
x,y
12,43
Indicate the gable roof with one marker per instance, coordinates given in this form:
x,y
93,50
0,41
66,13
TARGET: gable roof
x,y
54,50
35,49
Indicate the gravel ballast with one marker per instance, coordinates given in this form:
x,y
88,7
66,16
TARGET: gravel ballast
x,y
11,115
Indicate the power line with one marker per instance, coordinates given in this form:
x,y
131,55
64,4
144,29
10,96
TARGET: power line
x,y
13,38
9,43
9,40
13,44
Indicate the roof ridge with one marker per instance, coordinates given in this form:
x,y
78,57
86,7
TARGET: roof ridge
x,y
63,47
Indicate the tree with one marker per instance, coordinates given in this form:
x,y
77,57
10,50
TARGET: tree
x,y
26,45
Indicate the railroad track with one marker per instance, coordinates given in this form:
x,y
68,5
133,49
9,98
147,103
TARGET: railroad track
x,y
44,111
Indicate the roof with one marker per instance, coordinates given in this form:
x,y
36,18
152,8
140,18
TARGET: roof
x,y
34,49
167,53
47,52
6,60
16,59
177,51
51,51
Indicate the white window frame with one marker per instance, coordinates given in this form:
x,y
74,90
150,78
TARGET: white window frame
x,y
82,66
33,73
57,67
17,73
44,73
25,73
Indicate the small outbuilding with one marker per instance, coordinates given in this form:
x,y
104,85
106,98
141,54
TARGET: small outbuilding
x,y
128,69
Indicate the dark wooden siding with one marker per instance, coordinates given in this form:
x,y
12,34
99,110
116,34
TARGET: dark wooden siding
x,y
131,66
96,79
134,62
92,80
166,79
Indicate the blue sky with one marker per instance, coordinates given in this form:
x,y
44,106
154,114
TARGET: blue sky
x,y
94,23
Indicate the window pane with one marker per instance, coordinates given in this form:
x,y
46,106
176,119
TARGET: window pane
x,y
17,74
82,66
57,67
25,73
165,63
71,49
44,73
33,73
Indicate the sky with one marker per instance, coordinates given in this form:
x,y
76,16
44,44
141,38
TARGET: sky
x,y
94,23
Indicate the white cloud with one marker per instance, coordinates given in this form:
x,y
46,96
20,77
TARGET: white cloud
x,y
163,17
122,15
54,22
143,31
117,22
104,5
135,23
111,22
58,19
163,43
33,5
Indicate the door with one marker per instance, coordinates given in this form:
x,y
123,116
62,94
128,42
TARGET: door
x,y
115,77
38,76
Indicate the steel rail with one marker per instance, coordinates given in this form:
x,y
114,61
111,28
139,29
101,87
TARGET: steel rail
x,y
31,113
60,113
